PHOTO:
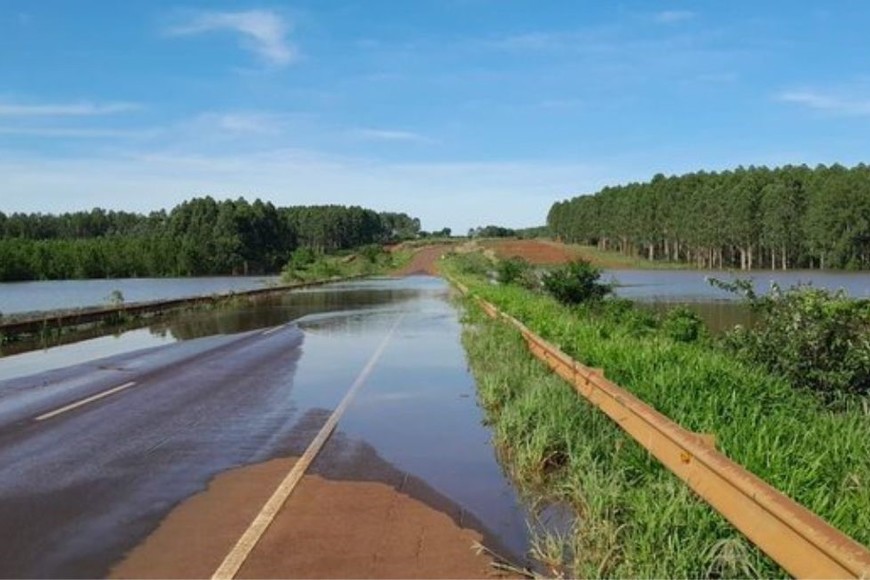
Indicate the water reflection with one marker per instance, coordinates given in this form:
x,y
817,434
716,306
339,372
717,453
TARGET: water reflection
x,y
240,315
719,316
274,310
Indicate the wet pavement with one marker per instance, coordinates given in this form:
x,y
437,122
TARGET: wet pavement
x,y
80,489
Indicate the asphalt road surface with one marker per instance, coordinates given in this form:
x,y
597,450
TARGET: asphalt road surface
x,y
80,487
93,456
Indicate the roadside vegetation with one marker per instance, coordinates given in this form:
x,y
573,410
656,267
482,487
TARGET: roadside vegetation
x,y
811,440
306,265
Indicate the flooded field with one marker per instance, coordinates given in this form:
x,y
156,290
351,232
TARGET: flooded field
x,y
693,285
662,290
19,297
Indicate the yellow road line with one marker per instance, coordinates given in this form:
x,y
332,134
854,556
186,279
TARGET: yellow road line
x,y
245,545
90,399
276,329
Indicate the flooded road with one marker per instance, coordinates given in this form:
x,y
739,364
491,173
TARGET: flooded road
x,y
97,451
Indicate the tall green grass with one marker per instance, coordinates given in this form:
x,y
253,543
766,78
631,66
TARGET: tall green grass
x,y
788,437
633,517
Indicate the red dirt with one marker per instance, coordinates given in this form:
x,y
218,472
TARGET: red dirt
x,y
534,251
327,529
423,262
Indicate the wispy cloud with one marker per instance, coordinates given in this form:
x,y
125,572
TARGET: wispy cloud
x,y
673,16
78,109
252,123
78,133
369,134
829,102
262,31
532,41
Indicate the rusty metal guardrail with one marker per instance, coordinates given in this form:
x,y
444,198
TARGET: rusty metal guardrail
x,y
801,542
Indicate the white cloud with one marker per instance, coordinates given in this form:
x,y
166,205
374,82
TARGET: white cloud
x,y
369,134
828,102
673,16
79,109
264,32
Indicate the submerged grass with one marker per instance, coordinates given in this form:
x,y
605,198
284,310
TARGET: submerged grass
x,y
552,439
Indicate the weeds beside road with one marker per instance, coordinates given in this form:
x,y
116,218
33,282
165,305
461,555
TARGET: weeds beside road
x,y
563,448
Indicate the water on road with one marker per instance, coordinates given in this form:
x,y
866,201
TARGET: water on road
x,y
207,392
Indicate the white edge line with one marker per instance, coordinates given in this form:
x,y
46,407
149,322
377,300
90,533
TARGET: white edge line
x,y
90,399
246,543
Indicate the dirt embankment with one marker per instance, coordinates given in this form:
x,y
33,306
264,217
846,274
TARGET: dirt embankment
x,y
534,251
423,261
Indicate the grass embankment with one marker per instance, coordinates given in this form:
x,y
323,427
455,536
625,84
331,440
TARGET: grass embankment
x,y
306,265
635,518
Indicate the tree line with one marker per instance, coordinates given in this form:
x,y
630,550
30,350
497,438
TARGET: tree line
x,y
199,237
755,217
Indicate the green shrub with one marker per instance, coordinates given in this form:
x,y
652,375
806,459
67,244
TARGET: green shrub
x,y
815,338
683,325
512,270
575,283
372,252
473,263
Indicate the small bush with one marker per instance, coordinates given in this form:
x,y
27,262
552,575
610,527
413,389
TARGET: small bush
x,y
814,338
473,263
575,283
302,258
115,298
683,325
372,252
512,270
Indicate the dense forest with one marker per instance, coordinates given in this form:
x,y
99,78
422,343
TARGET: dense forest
x,y
789,217
198,237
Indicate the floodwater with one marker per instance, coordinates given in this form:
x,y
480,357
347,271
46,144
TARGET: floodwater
x,y
662,290
416,414
693,285
19,297
644,285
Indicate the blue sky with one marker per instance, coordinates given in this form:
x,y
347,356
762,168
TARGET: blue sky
x,y
462,112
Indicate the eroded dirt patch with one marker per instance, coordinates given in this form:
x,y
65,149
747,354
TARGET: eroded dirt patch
x,y
534,251
423,262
